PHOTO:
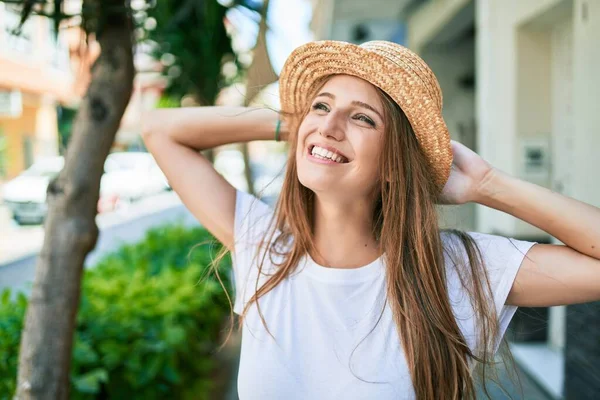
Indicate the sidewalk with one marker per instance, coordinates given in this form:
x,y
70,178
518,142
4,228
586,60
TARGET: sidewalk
x,y
529,389
18,241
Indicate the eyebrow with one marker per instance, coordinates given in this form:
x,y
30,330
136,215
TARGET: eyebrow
x,y
355,102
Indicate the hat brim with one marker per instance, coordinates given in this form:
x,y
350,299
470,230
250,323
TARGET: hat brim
x,y
380,64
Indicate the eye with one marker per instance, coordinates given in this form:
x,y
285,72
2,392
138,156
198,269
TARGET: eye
x,y
320,107
365,119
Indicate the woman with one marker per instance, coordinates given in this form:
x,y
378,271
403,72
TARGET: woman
x,y
348,288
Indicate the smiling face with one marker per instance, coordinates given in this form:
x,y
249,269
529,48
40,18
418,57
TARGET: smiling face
x,y
340,139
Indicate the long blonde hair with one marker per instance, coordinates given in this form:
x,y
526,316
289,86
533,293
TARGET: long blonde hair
x,y
405,221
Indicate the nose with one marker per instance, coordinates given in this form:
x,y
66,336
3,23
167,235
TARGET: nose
x,y
332,127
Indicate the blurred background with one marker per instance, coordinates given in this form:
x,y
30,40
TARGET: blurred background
x,y
520,84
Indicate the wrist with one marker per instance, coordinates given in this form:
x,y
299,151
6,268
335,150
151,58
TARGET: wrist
x,y
281,131
491,188
283,134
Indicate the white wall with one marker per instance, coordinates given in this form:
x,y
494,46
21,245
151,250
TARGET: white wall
x,y
427,22
515,101
496,73
586,101
521,100
533,90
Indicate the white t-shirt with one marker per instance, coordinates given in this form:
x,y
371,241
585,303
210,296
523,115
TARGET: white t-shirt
x,y
332,339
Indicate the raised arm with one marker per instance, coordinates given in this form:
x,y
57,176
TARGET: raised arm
x,y
550,275
175,136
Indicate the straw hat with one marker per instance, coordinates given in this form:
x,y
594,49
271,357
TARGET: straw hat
x,y
396,70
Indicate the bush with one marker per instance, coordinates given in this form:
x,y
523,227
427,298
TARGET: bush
x,y
11,324
145,328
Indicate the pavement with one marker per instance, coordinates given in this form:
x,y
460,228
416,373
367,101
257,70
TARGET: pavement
x,y
17,241
17,264
519,388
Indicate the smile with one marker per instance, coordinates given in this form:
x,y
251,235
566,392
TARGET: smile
x,y
327,155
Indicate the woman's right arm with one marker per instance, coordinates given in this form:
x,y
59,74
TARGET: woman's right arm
x,y
175,136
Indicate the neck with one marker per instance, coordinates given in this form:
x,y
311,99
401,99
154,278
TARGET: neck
x,y
343,233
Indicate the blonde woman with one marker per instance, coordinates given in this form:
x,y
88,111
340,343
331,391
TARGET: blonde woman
x,y
348,288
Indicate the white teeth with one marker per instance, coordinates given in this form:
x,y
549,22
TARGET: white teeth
x,y
325,154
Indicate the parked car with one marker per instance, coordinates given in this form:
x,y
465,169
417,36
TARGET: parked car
x,y
25,195
128,177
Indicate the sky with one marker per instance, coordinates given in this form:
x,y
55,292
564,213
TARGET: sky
x,y
289,22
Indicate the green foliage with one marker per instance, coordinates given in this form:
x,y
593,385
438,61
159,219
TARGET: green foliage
x,y
168,102
192,31
11,324
93,17
149,322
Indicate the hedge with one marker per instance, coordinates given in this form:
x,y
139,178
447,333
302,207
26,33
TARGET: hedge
x,y
150,320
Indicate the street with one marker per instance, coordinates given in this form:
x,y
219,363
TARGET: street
x,y
19,246
15,240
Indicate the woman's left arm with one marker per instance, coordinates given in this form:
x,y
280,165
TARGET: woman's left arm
x,y
550,274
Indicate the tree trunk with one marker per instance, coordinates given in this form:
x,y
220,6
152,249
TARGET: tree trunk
x,y
70,230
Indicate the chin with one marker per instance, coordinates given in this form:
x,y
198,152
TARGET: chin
x,y
317,182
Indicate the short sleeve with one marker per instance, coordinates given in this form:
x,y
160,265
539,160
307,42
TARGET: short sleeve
x,y
251,223
502,258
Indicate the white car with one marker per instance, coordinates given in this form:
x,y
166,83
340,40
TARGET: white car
x,y
25,195
128,177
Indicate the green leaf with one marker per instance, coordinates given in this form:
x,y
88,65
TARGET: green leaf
x,y
170,373
90,382
83,353
146,326
175,335
150,370
5,297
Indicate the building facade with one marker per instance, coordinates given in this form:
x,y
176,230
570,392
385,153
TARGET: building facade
x,y
35,78
41,74
520,87
530,109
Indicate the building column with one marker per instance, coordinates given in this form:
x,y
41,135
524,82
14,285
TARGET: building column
x,y
583,321
495,100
